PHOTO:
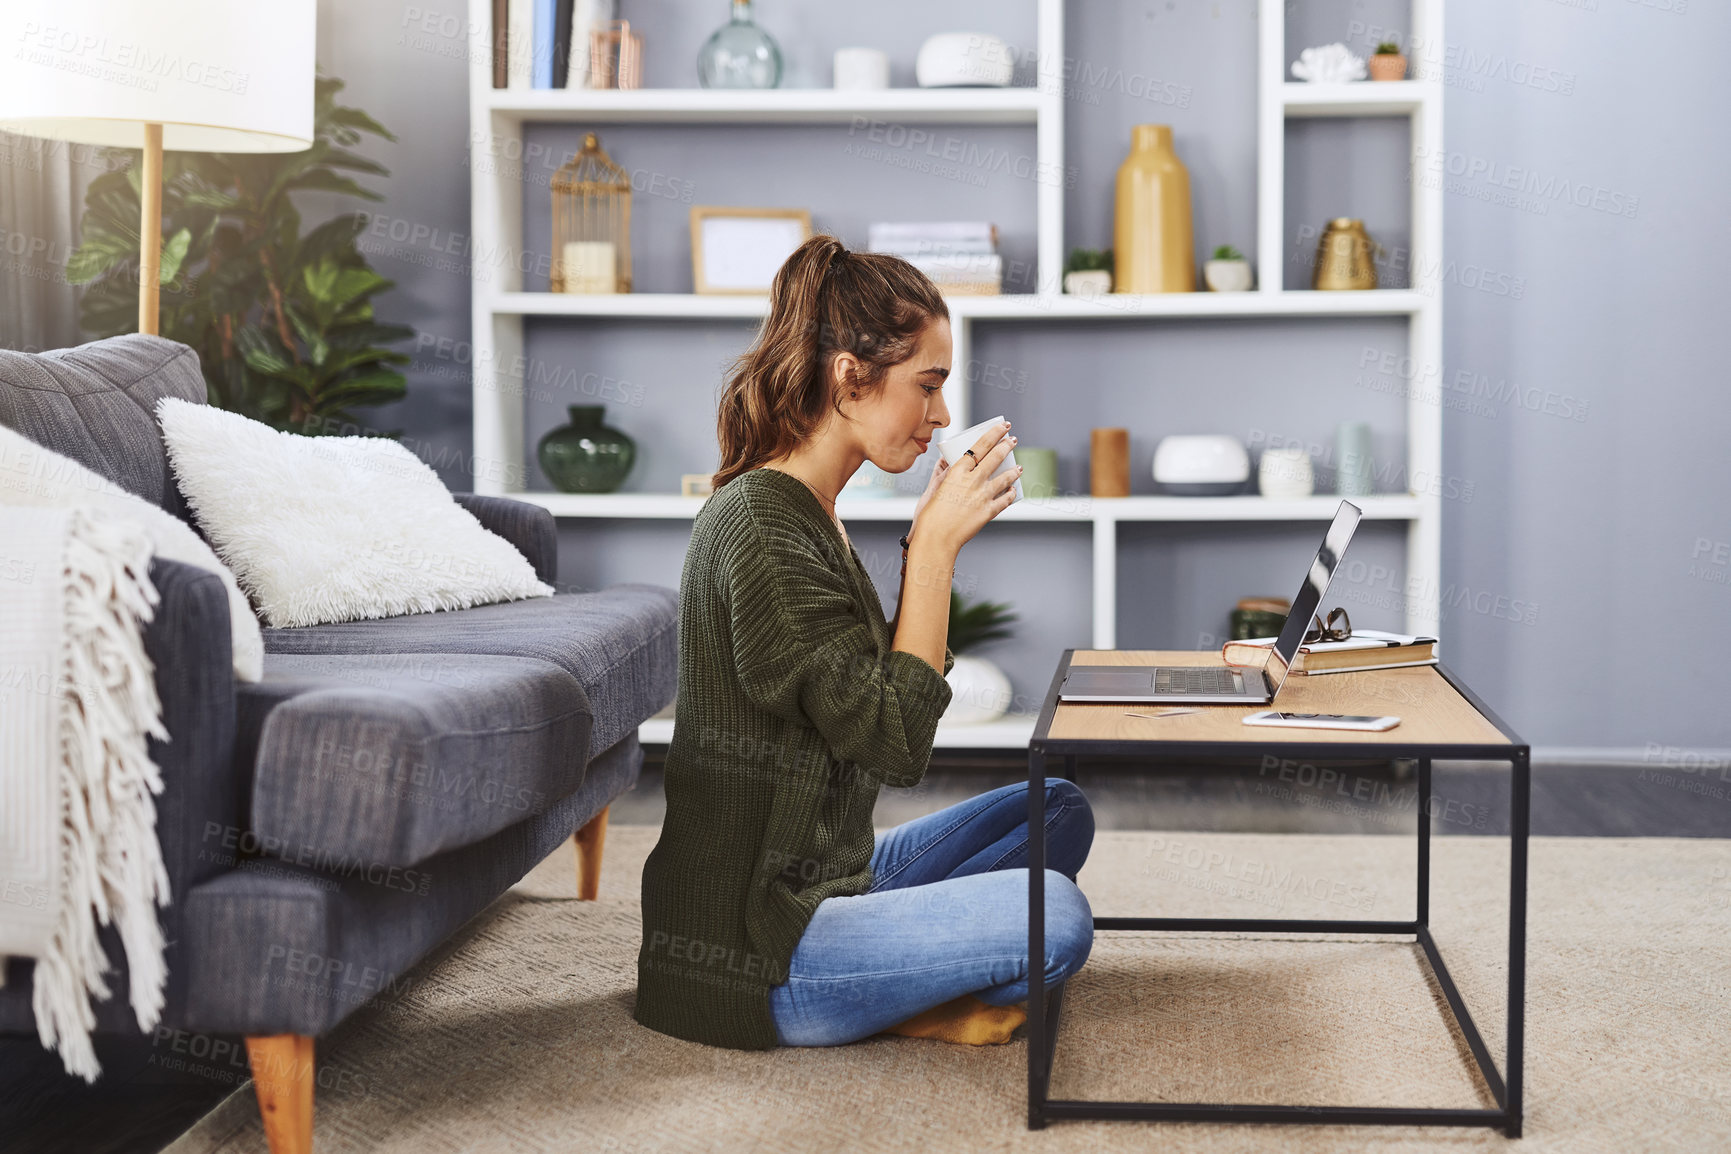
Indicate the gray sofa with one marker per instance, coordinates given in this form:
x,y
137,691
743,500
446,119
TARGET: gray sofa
x,y
326,828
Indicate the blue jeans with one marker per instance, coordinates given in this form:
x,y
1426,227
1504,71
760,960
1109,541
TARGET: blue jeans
x,y
947,915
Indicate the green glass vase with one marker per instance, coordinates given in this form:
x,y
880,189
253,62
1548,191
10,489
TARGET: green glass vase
x,y
586,456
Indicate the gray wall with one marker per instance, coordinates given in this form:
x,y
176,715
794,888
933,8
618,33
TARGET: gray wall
x,y
1584,371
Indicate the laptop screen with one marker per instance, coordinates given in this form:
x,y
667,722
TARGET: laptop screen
x,y
1311,593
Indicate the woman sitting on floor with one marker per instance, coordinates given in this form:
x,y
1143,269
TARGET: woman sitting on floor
x,y
771,913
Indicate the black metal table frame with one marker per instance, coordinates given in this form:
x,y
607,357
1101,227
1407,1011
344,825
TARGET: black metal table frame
x,y
1045,1003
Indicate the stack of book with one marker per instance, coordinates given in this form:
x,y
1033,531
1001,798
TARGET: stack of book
x,y
1366,649
546,43
961,256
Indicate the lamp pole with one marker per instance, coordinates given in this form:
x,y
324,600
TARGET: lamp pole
x,y
150,232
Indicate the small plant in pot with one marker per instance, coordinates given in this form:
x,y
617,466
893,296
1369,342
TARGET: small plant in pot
x,y
1088,272
979,691
1388,62
1227,271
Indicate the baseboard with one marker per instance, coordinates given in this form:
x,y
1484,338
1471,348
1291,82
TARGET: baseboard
x,y
1653,755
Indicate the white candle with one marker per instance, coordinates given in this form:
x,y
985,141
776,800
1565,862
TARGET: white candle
x,y
589,267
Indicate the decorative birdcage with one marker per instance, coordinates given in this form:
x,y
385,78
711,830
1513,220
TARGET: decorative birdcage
x,y
591,223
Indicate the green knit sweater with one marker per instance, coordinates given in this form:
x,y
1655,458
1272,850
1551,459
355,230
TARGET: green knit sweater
x,y
792,711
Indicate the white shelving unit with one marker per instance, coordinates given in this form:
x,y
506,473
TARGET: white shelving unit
x,y
500,115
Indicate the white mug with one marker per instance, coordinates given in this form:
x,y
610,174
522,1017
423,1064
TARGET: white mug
x,y
951,449
861,69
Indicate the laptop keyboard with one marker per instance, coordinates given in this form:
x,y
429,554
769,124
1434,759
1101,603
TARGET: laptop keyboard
x,y
1204,680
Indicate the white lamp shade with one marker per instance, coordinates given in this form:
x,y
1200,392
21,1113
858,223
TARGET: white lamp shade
x,y
218,75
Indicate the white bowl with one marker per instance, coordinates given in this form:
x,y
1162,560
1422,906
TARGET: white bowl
x,y
1201,466
963,59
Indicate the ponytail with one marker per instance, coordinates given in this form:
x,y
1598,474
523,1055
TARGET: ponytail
x,y
825,300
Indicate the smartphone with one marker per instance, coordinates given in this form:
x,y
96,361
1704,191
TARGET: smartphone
x,y
1323,720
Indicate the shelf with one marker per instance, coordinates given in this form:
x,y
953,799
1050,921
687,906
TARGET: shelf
x,y
662,306
1010,732
1132,306
1077,508
775,106
1110,306
1360,98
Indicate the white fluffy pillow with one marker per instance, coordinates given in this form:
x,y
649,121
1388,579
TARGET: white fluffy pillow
x,y
35,476
322,529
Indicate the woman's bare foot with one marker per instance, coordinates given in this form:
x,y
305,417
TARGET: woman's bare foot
x,y
966,1021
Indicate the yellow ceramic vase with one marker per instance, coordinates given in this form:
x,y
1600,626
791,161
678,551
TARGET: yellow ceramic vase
x,y
1153,251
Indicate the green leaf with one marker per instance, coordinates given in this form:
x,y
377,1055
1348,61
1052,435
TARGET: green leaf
x,y
324,180
974,625
101,253
371,389
172,254
262,353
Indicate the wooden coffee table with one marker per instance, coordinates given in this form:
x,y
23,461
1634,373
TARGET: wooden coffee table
x,y
1440,719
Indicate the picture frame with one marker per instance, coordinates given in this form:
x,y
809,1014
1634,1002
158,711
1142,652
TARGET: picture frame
x,y
737,251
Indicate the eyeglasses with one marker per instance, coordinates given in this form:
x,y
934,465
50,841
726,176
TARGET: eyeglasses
x,y
1319,631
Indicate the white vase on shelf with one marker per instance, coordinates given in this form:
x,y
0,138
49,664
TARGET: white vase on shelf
x,y
1285,474
979,692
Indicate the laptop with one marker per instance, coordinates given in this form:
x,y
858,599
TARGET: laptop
x,y
1222,685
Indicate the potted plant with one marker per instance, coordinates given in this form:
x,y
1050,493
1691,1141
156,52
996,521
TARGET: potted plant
x,y
1088,272
1227,271
1388,63
282,316
979,691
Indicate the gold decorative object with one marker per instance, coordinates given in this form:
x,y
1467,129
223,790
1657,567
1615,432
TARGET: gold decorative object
x,y
696,484
615,56
1343,257
591,223
1152,245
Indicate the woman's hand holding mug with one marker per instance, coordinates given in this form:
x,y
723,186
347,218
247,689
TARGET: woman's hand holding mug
x,y
962,497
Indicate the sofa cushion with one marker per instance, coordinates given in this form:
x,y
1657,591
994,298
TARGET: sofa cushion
x,y
620,643
94,403
373,762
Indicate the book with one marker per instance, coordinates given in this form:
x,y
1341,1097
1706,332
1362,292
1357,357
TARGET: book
x,y
501,43
918,238
541,75
1366,649
519,43
561,42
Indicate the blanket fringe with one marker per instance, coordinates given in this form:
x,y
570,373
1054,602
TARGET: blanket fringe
x,y
113,865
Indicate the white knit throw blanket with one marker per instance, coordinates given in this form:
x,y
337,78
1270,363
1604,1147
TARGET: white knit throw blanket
x,y
78,700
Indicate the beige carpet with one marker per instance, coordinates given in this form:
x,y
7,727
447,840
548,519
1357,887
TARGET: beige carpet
x,y
518,1035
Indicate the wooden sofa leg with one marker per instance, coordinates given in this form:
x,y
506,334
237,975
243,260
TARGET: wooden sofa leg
x,y
282,1075
588,841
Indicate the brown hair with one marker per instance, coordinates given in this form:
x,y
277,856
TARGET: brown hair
x,y
825,300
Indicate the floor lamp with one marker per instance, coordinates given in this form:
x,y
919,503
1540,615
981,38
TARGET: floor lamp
x,y
183,75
